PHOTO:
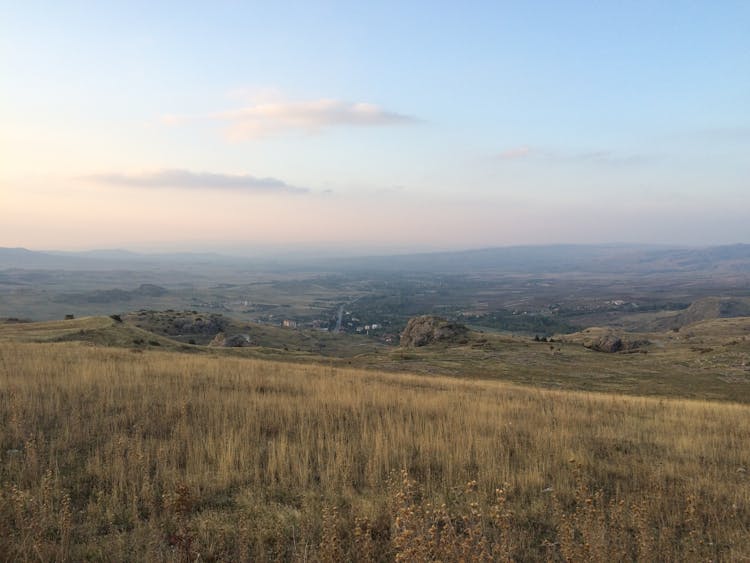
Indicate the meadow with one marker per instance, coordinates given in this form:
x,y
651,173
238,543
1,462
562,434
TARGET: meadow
x,y
119,455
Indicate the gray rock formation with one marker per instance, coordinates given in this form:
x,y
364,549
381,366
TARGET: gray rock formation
x,y
219,340
236,341
427,329
611,343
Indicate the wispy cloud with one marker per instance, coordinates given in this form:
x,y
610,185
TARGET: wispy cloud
x,y
196,180
273,117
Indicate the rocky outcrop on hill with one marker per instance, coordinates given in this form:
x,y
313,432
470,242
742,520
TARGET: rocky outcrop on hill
x,y
176,323
610,343
209,324
428,329
219,340
236,341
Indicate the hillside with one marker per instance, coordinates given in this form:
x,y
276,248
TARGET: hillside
x,y
201,328
611,258
712,308
100,331
368,452
163,456
707,360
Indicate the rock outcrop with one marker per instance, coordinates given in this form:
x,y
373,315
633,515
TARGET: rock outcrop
x,y
219,340
236,341
179,323
427,329
610,343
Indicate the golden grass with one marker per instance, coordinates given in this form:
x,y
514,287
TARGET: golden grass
x,y
708,360
113,455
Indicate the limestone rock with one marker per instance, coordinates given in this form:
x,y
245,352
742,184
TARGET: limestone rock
x,y
428,329
610,343
219,340
236,341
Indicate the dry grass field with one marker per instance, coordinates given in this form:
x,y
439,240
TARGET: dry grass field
x,y
705,360
116,455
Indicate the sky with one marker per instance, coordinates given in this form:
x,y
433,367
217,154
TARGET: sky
x,y
238,126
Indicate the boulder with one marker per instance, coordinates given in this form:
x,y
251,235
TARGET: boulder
x,y
219,340
236,341
610,343
428,329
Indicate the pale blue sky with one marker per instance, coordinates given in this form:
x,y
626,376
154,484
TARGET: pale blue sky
x,y
374,124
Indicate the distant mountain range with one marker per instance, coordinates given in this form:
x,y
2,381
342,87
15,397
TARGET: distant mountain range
x,y
613,258
566,258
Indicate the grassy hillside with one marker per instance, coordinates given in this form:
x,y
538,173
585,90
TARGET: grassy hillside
x,y
200,328
706,360
102,331
113,455
713,308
